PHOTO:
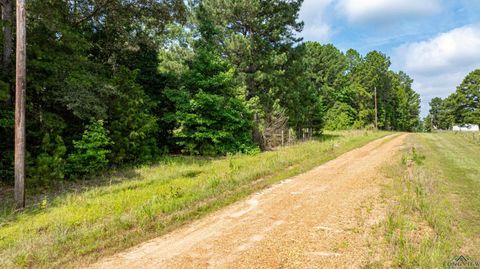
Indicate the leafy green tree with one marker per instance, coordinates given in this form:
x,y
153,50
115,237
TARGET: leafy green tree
x,y
427,124
354,60
449,112
352,79
90,153
362,96
299,96
258,41
215,120
214,125
434,113
406,108
49,165
461,107
372,73
467,99
442,113
325,67
340,117
131,126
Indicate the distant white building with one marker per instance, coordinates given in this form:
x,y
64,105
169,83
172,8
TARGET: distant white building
x,y
465,128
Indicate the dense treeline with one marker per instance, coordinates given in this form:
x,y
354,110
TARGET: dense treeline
x,y
461,107
118,82
346,84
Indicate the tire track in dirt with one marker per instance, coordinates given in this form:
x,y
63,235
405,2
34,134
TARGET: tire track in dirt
x,y
320,218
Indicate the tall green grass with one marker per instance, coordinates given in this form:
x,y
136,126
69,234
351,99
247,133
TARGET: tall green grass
x,y
436,206
77,228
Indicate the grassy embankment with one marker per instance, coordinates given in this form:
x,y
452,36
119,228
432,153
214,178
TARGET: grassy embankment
x,y
436,213
78,227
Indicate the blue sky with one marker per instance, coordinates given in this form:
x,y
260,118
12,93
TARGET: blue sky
x,y
437,42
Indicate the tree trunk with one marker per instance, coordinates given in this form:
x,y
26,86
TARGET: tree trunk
x,y
20,106
257,134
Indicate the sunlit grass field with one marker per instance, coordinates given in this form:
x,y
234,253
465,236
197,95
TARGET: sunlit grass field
x,y
137,204
436,216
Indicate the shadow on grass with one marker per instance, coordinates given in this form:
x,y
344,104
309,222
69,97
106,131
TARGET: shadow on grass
x,y
56,191
327,137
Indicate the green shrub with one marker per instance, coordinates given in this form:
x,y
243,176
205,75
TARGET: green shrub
x,y
90,153
364,119
214,125
340,117
49,165
132,127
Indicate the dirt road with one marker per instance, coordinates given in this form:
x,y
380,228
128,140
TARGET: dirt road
x,y
319,219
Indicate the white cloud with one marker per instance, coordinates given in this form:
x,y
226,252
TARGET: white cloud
x,y
359,11
319,32
438,65
312,9
316,13
445,52
316,28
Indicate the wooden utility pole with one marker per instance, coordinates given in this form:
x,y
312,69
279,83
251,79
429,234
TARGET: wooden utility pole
x,y
376,110
20,95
